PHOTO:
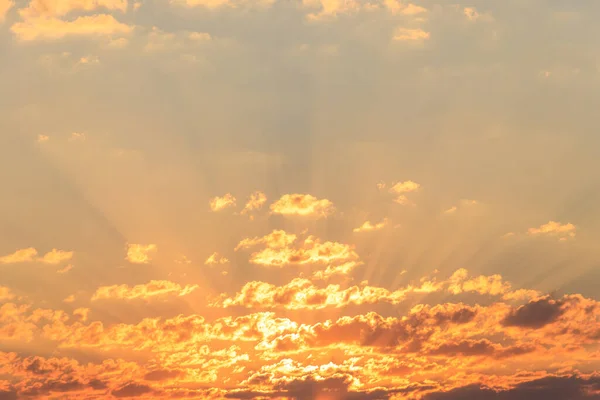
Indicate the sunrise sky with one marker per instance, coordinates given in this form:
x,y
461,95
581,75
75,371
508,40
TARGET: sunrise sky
x,y
300,199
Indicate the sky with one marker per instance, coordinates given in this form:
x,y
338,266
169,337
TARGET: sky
x,y
306,199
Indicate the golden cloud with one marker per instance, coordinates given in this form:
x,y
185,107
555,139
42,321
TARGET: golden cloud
x,y
19,256
554,228
6,294
140,253
303,294
58,8
148,290
5,6
310,251
256,201
410,34
51,28
56,256
303,205
220,203
276,239
29,255
368,226
215,259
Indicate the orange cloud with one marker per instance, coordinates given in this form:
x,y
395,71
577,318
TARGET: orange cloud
x,y
65,269
276,239
215,259
310,251
53,8
553,228
29,255
19,256
51,28
148,290
5,6
6,294
140,253
409,34
399,189
220,203
302,205
368,226
331,270
256,201
303,294
56,256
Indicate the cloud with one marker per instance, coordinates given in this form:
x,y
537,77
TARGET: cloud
x,y
274,240
50,28
310,251
303,294
6,294
343,269
399,189
19,256
462,204
215,4
535,314
410,34
53,8
302,205
256,201
215,259
29,254
159,40
152,289
5,6
54,257
140,253
65,269
553,228
220,203
42,138
368,226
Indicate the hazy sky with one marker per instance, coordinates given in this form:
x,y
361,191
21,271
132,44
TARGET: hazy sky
x,y
316,199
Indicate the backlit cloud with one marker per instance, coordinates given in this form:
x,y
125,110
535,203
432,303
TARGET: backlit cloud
x,y
148,290
553,228
303,205
220,203
50,28
256,201
140,253
39,8
410,34
215,259
368,226
29,254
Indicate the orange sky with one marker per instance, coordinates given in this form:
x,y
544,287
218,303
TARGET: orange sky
x,y
312,200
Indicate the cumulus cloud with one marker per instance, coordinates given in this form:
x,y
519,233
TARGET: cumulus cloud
x,y
368,226
39,8
310,251
29,254
51,28
140,253
152,289
553,228
220,203
23,255
302,205
400,189
6,294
